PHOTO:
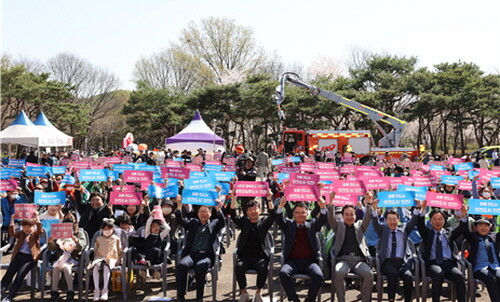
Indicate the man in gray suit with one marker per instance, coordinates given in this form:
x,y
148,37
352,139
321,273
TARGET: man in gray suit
x,y
350,248
394,252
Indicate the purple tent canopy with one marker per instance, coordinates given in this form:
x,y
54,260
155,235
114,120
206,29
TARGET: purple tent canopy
x,y
196,132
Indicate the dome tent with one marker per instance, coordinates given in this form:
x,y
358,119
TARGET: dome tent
x,y
22,132
54,137
196,135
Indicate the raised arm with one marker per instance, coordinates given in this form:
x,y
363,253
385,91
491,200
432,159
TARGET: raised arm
x,y
280,220
368,215
331,213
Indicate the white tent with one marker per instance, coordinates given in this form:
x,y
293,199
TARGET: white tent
x,y
54,137
196,135
22,132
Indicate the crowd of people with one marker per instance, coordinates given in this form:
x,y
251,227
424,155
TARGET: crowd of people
x,y
325,236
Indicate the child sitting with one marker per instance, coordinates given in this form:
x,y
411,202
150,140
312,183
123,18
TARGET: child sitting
x,y
107,255
150,249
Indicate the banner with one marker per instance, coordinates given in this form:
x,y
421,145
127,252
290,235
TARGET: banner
x,y
395,199
50,198
302,193
463,167
171,172
8,185
125,198
354,187
251,188
301,179
24,210
92,175
17,163
420,192
206,198
138,176
484,207
41,171
445,201
61,230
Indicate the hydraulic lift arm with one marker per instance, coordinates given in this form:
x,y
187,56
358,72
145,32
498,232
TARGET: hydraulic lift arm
x,y
389,140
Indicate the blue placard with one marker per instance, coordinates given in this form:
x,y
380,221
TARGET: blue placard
x,y
283,176
296,159
450,179
473,173
50,198
206,183
68,179
154,191
326,182
92,175
225,188
213,168
437,168
170,191
420,192
463,167
154,169
59,170
495,182
396,199
276,162
37,171
223,176
178,159
7,173
484,206
47,225
206,198
114,175
17,163
197,174
121,167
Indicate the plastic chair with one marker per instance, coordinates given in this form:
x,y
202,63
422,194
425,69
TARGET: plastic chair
x,y
381,277
137,267
471,281
301,276
89,254
78,269
254,272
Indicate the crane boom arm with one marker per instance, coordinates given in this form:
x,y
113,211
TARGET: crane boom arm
x,y
391,139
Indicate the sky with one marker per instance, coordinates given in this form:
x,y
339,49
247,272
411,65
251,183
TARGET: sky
x,y
114,34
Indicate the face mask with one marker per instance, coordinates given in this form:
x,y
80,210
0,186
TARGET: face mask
x,y
107,233
166,210
486,194
14,196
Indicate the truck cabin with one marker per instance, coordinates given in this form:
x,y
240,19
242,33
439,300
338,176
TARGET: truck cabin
x,y
294,141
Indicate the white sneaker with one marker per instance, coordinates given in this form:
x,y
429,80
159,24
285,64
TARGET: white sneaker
x,y
97,294
257,298
244,297
104,294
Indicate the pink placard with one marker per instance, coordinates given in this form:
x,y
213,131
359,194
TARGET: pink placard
x,y
197,160
446,201
127,159
341,200
32,165
171,163
158,214
438,174
125,188
125,198
24,210
209,156
354,187
404,180
327,174
422,181
376,183
179,173
301,179
309,160
193,167
137,176
217,156
325,166
366,174
454,160
307,167
61,230
216,163
80,165
251,188
97,167
229,168
289,169
302,193
229,161
8,184
438,163
465,185
347,169
75,157
111,160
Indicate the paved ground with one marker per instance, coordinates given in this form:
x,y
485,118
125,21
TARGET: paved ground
x,y
224,286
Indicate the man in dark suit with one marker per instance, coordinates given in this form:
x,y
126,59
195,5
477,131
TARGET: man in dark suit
x,y
394,252
483,254
200,249
254,247
439,255
300,248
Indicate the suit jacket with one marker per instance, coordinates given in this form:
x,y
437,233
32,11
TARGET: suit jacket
x,y
385,235
427,235
33,241
191,224
473,239
360,227
289,228
262,230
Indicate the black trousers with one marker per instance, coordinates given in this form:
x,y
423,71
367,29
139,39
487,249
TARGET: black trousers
x,y
308,267
22,265
154,255
201,263
393,269
447,270
255,263
492,280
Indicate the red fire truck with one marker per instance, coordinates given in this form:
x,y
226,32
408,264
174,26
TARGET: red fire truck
x,y
358,141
